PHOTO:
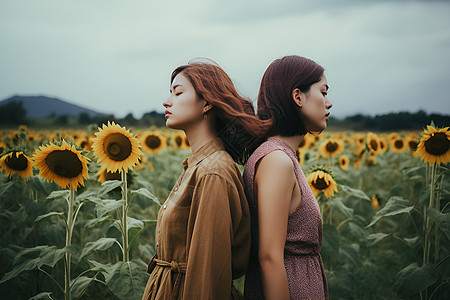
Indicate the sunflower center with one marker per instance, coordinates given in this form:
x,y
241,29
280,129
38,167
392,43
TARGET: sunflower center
x,y
331,147
398,144
437,144
320,184
374,145
153,142
413,145
17,163
178,141
64,163
117,146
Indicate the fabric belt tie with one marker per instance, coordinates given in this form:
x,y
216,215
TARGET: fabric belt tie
x,y
176,267
173,265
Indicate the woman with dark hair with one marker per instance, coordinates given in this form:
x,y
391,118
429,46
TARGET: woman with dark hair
x,y
203,230
286,233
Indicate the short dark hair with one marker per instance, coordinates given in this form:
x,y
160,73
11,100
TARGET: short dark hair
x,y
275,100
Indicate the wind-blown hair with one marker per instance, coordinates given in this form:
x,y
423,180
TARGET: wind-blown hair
x,y
235,122
275,100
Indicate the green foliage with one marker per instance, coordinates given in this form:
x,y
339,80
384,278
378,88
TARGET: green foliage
x,y
367,253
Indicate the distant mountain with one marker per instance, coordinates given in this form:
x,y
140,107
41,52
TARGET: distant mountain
x,y
42,107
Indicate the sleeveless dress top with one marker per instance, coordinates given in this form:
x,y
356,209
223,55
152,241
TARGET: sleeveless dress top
x,y
304,267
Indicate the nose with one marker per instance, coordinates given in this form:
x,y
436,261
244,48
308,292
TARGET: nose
x,y
167,103
328,104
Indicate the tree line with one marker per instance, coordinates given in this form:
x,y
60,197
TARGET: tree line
x,y
13,114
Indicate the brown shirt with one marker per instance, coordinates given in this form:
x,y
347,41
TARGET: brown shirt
x,y
203,231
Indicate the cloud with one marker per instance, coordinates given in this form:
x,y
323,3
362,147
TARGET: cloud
x,y
117,56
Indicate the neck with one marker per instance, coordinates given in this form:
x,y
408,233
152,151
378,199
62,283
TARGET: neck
x,y
292,141
199,134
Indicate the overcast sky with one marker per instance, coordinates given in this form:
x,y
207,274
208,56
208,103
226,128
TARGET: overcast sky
x,y
117,56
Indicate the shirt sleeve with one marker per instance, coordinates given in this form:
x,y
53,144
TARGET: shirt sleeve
x,y
209,255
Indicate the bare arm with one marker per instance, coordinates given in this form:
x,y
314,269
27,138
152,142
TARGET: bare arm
x,y
275,183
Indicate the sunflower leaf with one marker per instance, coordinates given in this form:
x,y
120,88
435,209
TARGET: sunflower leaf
x,y
374,238
146,193
127,280
108,186
93,222
53,213
134,223
80,286
354,192
394,206
43,295
64,194
442,220
33,258
5,186
337,204
108,205
413,279
101,244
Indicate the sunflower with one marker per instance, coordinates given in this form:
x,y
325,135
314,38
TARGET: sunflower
x,y
85,143
393,136
344,161
177,140
321,180
398,144
412,142
105,175
331,147
434,145
301,156
383,145
307,142
116,148
16,162
186,143
373,143
375,202
154,142
63,164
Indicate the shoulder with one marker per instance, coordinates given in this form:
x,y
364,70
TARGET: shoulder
x,y
276,160
219,163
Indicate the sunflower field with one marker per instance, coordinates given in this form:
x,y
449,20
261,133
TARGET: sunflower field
x,y
78,210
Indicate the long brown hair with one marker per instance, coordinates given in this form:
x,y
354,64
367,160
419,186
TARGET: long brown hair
x,y
275,93
235,122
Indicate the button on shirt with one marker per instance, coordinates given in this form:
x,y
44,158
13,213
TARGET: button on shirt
x,y
204,224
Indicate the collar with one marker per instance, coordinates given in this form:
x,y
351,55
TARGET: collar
x,y
204,151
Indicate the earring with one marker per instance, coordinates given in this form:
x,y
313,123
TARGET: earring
x,y
205,116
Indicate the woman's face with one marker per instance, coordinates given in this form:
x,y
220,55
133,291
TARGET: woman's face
x,y
315,106
183,107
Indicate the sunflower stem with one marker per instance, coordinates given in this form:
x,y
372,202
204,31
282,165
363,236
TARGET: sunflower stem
x,y
70,221
436,232
125,248
426,249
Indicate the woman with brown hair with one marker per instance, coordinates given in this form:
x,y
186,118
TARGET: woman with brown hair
x,y
285,260
203,230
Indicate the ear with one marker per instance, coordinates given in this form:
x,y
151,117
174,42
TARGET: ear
x,y
207,107
298,97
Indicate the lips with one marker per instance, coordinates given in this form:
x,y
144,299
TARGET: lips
x,y
168,113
